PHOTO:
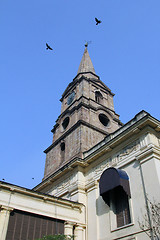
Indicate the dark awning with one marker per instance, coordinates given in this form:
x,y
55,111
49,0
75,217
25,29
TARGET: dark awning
x,y
113,178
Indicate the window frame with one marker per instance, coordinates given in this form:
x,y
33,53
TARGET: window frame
x,y
113,215
98,97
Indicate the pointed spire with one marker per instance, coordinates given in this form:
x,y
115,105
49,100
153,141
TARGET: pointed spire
x,y
86,63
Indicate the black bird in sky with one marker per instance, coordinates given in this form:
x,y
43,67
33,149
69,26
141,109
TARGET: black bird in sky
x,y
3,179
48,47
97,21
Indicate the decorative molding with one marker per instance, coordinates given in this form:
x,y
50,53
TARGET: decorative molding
x,y
97,171
130,148
6,208
143,141
90,186
148,153
38,195
112,161
65,185
125,152
157,128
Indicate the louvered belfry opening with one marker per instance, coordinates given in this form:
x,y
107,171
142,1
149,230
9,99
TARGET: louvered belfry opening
x,y
27,226
98,97
115,191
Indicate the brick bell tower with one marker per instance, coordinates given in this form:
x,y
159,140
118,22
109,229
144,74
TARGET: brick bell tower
x,y
87,116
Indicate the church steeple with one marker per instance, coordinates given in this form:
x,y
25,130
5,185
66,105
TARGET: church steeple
x,y
86,63
87,116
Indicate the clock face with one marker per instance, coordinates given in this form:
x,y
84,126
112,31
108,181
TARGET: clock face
x,y
70,98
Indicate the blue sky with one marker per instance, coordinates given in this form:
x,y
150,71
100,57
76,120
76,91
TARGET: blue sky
x,y
125,51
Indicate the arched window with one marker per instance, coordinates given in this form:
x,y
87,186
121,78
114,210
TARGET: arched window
x,y
98,97
62,146
65,122
115,191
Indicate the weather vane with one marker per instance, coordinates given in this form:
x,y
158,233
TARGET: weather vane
x,y
87,43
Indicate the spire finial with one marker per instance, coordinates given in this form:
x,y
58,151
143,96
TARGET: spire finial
x,y
86,63
86,44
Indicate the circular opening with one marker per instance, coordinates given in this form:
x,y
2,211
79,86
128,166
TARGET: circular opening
x,y
62,146
103,119
65,122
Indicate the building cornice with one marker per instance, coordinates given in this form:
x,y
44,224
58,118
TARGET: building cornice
x,y
32,193
141,121
148,153
129,129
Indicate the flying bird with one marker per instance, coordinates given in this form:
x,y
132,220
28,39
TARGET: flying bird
x,y
3,179
97,21
48,47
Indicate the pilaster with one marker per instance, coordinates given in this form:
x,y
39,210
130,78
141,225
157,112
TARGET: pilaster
x,y
4,219
68,228
93,224
79,233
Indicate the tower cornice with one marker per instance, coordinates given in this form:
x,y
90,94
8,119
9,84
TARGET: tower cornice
x,y
82,77
70,110
77,124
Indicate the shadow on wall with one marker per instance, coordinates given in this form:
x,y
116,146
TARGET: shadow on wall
x,y
101,207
